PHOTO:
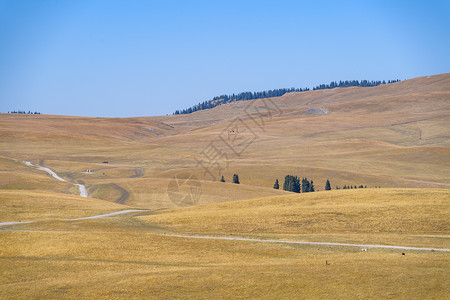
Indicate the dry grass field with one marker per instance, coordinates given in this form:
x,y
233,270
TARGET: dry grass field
x,y
360,216
134,256
393,136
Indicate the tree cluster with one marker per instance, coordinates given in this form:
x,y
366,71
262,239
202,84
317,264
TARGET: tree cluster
x,y
235,179
223,99
24,112
349,83
293,184
347,187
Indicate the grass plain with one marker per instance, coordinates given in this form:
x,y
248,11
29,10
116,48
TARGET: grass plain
x,y
134,256
395,136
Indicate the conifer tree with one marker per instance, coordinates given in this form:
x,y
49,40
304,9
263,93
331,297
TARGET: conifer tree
x,y
276,185
305,185
327,185
235,178
222,179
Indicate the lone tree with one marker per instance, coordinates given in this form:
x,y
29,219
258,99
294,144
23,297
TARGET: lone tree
x,y
327,185
222,179
236,178
276,185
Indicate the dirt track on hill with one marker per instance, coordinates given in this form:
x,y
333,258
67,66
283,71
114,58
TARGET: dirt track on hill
x,y
139,172
309,243
125,194
81,187
83,218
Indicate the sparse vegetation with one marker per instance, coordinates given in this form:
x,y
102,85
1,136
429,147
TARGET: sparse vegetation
x,y
24,112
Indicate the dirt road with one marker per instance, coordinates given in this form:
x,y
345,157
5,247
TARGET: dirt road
x,y
81,187
309,243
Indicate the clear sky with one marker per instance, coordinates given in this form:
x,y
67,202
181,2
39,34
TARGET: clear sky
x,y
111,58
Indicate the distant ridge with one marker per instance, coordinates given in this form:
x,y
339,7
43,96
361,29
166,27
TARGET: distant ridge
x,y
223,99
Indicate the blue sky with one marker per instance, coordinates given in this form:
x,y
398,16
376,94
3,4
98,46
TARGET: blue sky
x,y
144,58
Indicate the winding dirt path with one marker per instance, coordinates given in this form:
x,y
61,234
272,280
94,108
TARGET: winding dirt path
x,y
81,187
124,194
45,169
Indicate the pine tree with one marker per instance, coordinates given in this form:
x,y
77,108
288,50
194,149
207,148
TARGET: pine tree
x,y
235,178
327,185
305,185
276,185
311,187
296,184
286,186
222,179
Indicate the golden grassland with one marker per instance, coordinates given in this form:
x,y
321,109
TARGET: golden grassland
x,y
15,175
366,212
395,136
20,206
132,256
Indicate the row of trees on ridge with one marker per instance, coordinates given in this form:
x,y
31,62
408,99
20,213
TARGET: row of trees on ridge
x,y
223,99
294,184
24,112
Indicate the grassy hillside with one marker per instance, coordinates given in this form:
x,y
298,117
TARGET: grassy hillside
x,y
131,256
22,206
362,215
366,210
392,135
395,136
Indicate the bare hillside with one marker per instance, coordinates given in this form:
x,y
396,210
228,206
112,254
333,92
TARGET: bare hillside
x,y
394,135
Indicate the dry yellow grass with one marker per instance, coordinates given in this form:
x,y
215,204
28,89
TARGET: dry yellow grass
x,y
16,175
20,206
123,257
391,136
105,265
350,214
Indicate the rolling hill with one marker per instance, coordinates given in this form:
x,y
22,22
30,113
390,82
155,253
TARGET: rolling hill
x,y
181,233
393,135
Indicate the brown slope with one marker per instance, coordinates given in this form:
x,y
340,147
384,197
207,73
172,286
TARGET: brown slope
x,y
393,135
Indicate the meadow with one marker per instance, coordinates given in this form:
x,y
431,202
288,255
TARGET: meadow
x,y
391,136
135,256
